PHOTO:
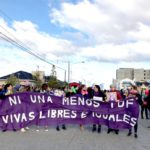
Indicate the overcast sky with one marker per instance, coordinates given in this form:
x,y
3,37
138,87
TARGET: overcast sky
x,y
106,34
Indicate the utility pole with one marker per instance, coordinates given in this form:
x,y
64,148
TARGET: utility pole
x,y
68,72
65,76
53,73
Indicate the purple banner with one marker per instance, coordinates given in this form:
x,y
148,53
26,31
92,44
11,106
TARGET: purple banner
x,y
26,109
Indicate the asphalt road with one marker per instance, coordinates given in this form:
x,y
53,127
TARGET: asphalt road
x,y
74,139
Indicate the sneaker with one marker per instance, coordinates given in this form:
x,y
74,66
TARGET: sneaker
x,y
37,130
46,129
27,128
23,130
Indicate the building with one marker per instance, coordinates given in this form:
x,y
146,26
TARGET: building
x,y
139,74
24,78
124,73
126,77
133,74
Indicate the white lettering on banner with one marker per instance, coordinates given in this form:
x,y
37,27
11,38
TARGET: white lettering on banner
x,y
40,99
122,104
56,114
78,101
112,105
5,119
14,100
73,101
17,117
11,118
129,102
133,122
81,101
84,114
60,114
98,115
49,99
31,116
105,116
66,113
126,118
53,113
74,114
111,117
65,101
118,119
41,116
23,118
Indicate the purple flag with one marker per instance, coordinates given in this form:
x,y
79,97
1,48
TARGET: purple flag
x,y
25,109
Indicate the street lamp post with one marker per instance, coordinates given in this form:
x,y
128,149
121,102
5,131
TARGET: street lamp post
x,y
68,72
69,69
65,76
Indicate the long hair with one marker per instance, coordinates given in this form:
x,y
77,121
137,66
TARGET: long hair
x,y
6,86
90,92
98,87
80,89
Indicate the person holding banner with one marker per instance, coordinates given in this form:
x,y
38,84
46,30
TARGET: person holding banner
x,y
113,95
134,93
99,96
83,92
8,90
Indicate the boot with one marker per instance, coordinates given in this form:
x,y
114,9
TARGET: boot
x,y
63,127
99,129
94,128
57,128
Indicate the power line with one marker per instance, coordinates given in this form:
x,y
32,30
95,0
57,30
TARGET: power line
x,y
20,44
15,43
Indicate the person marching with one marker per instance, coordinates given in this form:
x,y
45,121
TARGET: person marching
x,y
82,91
118,98
134,93
98,93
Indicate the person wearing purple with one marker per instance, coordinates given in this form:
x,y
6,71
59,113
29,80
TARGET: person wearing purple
x,y
100,94
134,93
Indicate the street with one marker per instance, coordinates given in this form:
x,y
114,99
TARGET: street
x,y
74,139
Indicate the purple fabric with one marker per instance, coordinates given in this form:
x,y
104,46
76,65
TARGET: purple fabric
x,y
26,109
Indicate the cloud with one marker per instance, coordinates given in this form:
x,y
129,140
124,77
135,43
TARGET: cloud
x,y
39,42
118,31
111,53
48,47
106,34
104,21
